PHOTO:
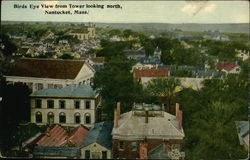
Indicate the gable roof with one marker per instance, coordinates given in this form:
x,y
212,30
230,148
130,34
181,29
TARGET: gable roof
x,y
228,66
47,68
101,134
55,137
73,90
81,30
153,72
58,136
78,135
57,151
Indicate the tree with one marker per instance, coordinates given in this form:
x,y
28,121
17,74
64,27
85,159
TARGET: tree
x,y
182,73
164,89
14,109
115,83
214,134
8,46
66,56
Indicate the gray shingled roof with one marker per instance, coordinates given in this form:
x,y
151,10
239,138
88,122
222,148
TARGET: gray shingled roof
x,y
57,151
101,134
68,91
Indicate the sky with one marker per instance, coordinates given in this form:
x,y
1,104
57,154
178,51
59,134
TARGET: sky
x,y
133,11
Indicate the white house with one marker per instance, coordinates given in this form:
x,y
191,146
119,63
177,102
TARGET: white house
x,y
243,55
50,73
69,106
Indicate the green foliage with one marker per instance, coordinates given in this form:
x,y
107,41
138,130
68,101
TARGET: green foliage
x,y
111,49
66,56
114,32
181,73
9,46
116,84
164,90
14,109
209,117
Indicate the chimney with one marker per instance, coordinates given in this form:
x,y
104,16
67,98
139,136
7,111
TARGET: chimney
x,y
177,109
117,114
178,115
115,119
180,119
118,111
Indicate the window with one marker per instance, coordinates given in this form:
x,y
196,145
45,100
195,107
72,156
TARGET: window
x,y
50,86
104,155
58,86
38,103
50,103
77,104
87,118
62,118
134,146
62,104
121,145
77,118
50,118
39,117
87,104
87,154
39,86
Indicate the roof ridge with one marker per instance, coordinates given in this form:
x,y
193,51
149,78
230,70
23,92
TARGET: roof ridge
x,y
52,59
176,128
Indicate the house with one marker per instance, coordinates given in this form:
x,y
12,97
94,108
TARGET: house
x,y
145,75
96,62
68,106
85,33
60,143
138,133
135,54
58,136
243,132
193,83
228,67
98,143
243,55
50,73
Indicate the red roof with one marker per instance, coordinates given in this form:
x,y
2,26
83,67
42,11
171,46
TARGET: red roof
x,y
228,66
55,137
153,72
78,135
58,136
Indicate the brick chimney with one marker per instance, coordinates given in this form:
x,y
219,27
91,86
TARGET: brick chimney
x,y
180,119
177,109
117,114
115,121
178,115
